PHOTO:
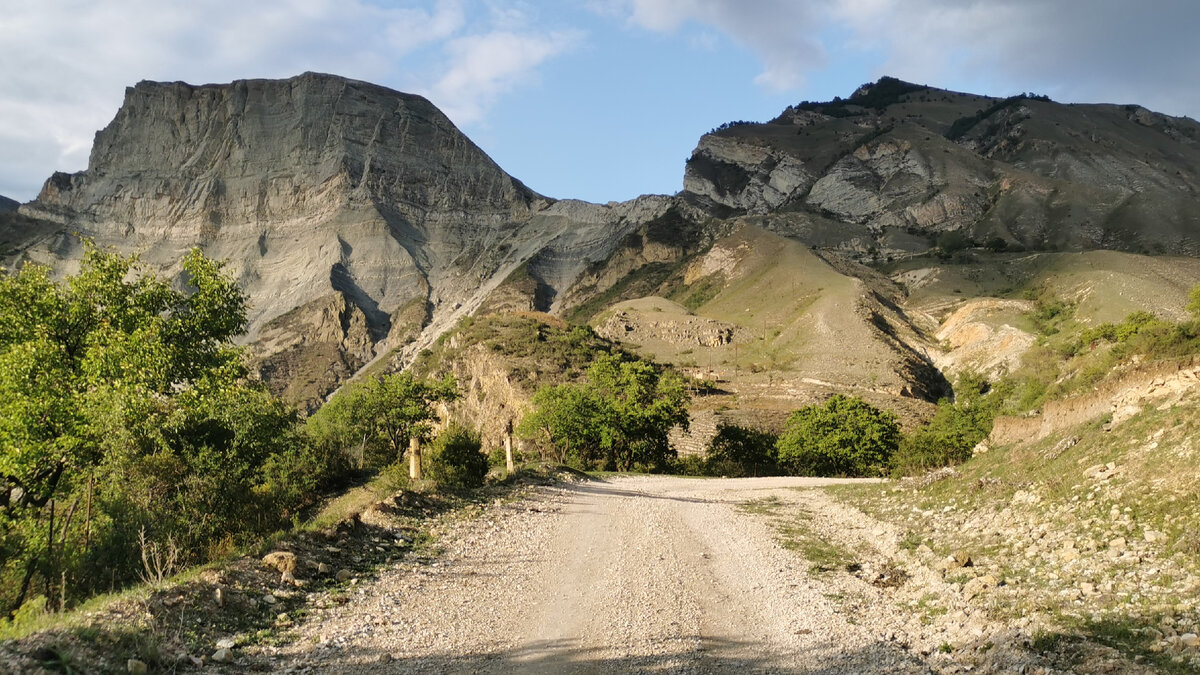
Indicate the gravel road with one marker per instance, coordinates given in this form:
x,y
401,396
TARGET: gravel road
x,y
627,574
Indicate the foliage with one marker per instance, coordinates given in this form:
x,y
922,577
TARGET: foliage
x,y
878,95
740,451
455,458
126,422
1049,311
618,418
729,125
1193,305
962,125
953,432
845,436
568,417
949,243
1115,333
529,343
380,414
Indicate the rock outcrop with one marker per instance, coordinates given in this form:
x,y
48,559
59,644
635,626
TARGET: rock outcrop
x,y
905,159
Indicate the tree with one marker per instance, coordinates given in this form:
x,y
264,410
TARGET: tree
x,y
950,437
123,404
740,451
619,417
568,418
845,436
455,458
383,412
70,352
641,404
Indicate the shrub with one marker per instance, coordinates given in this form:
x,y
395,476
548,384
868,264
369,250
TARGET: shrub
x,y
740,451
455,459
845,436
950,437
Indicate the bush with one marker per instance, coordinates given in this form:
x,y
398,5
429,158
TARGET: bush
x,y
740,451
455,458
845,436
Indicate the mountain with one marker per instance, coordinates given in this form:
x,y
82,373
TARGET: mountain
x,y
825,250
355,216
8,205
897,162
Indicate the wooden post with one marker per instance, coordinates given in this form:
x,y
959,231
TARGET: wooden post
x,y
414,458
509,464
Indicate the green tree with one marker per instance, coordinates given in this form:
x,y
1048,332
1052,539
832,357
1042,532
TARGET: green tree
x,y
123,404
619,417
568,418
845,436
455,458
740,451
641,404
381,413
955,429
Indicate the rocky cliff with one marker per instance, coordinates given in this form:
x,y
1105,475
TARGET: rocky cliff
x,y
908,162
358,219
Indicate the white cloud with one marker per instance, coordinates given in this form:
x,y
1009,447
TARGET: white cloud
x,y
483,67
67,62
1101,50
781,32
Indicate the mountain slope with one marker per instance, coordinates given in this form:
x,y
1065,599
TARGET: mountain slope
x,y
353,215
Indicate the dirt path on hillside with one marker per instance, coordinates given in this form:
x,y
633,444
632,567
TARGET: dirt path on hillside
x,y
627,574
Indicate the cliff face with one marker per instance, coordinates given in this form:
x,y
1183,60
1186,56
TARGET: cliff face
x,y
355,217
906,160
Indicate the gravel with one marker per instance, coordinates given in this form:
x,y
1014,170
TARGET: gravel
x,y
627,574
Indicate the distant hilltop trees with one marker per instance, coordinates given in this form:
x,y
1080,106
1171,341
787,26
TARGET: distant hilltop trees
x,y
730,125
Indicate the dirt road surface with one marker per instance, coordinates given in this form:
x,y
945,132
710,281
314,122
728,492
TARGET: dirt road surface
x,y
629,574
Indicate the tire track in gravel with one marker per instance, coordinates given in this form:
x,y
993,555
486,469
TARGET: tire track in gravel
x,y
631,574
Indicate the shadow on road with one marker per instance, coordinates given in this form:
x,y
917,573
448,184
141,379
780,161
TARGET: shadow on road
x,y
714,656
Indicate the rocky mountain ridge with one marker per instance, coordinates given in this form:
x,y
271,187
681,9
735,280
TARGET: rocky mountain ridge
x,y
898,159
363,224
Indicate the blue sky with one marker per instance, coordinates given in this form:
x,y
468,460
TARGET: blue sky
x,y
592,99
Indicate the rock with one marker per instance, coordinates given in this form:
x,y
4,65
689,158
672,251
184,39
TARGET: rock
x,y
225,643
975,586
1117,544
323,568
219,596
283,561
136,666
223,656
287,578
269,599
962,558
343,575
1189,640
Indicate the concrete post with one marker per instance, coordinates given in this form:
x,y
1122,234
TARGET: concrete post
x,y
414,458
509,464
